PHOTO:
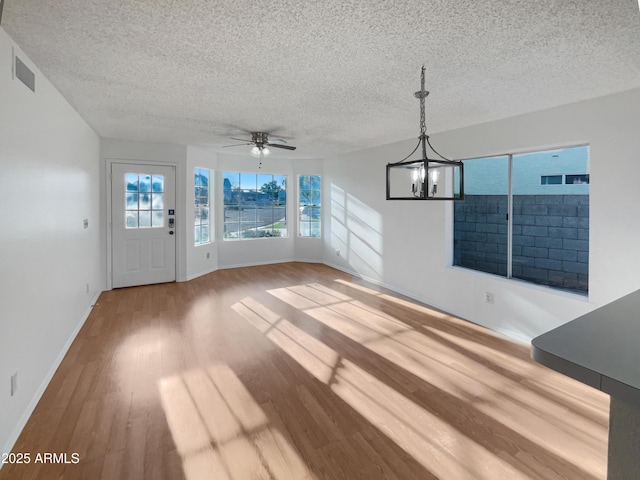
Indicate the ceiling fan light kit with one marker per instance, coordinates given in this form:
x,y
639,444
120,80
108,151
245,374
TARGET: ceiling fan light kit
x,y
261,144
425,178
256,151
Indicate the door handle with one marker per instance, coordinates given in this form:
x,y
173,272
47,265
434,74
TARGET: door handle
x,y
170,232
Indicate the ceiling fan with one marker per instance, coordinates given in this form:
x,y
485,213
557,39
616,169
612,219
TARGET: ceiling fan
x,y
261,144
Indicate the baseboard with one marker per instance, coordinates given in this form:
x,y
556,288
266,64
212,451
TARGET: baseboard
x,y
255,264
515,336
13,437
382,284
200,274
226,267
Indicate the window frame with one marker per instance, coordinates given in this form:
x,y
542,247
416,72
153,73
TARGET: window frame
x,y
208,205
575,176
510,218
258,174
548,177
151,193
301,206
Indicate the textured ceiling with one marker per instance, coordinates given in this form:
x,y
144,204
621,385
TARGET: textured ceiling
x,y
329,76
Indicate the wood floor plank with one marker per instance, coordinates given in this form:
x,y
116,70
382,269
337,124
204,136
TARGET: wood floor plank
x,y
298,371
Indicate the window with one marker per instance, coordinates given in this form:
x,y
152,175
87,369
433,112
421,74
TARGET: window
x,y
309,206
514,225
576,179
255,205
551,180
144,200
202,232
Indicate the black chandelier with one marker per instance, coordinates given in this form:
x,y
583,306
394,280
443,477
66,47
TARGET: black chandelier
x,y
425,178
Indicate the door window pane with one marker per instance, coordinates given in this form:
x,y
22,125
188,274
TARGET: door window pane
x,y
145,201
144,218
157,201
131,180
157,218
157,184
132,201
145,183
131,220
144,209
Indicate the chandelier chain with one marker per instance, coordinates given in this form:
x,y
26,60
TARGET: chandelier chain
x,y
423,125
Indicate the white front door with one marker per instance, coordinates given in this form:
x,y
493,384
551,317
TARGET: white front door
x,y
143,234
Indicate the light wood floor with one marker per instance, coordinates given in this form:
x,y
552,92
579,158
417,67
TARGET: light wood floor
x,y
298,371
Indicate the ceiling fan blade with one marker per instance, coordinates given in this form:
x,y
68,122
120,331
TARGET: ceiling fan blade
x,y
277,145
237,145
241,139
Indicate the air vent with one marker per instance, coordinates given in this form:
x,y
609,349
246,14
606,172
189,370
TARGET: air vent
x,y
25,75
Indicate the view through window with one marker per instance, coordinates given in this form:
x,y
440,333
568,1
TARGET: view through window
x,y
309,206
518,226
144,200
202,232
255,205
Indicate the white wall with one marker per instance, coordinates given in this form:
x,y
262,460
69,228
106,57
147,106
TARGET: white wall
x,y
407,245
49,184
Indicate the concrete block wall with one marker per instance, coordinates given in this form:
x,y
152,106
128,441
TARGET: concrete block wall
x,y
550,238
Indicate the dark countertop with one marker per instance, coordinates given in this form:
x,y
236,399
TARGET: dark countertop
x,y
601,348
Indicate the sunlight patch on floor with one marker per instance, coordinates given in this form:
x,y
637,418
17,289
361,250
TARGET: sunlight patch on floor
x,y
429,439
488,385
318,359
221,432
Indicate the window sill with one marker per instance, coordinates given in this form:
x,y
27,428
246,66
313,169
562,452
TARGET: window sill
x,y
253,239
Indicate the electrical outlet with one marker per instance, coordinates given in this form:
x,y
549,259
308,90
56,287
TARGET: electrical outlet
x,y
87,288
14,383
489,297
208,255
337,252
86,223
